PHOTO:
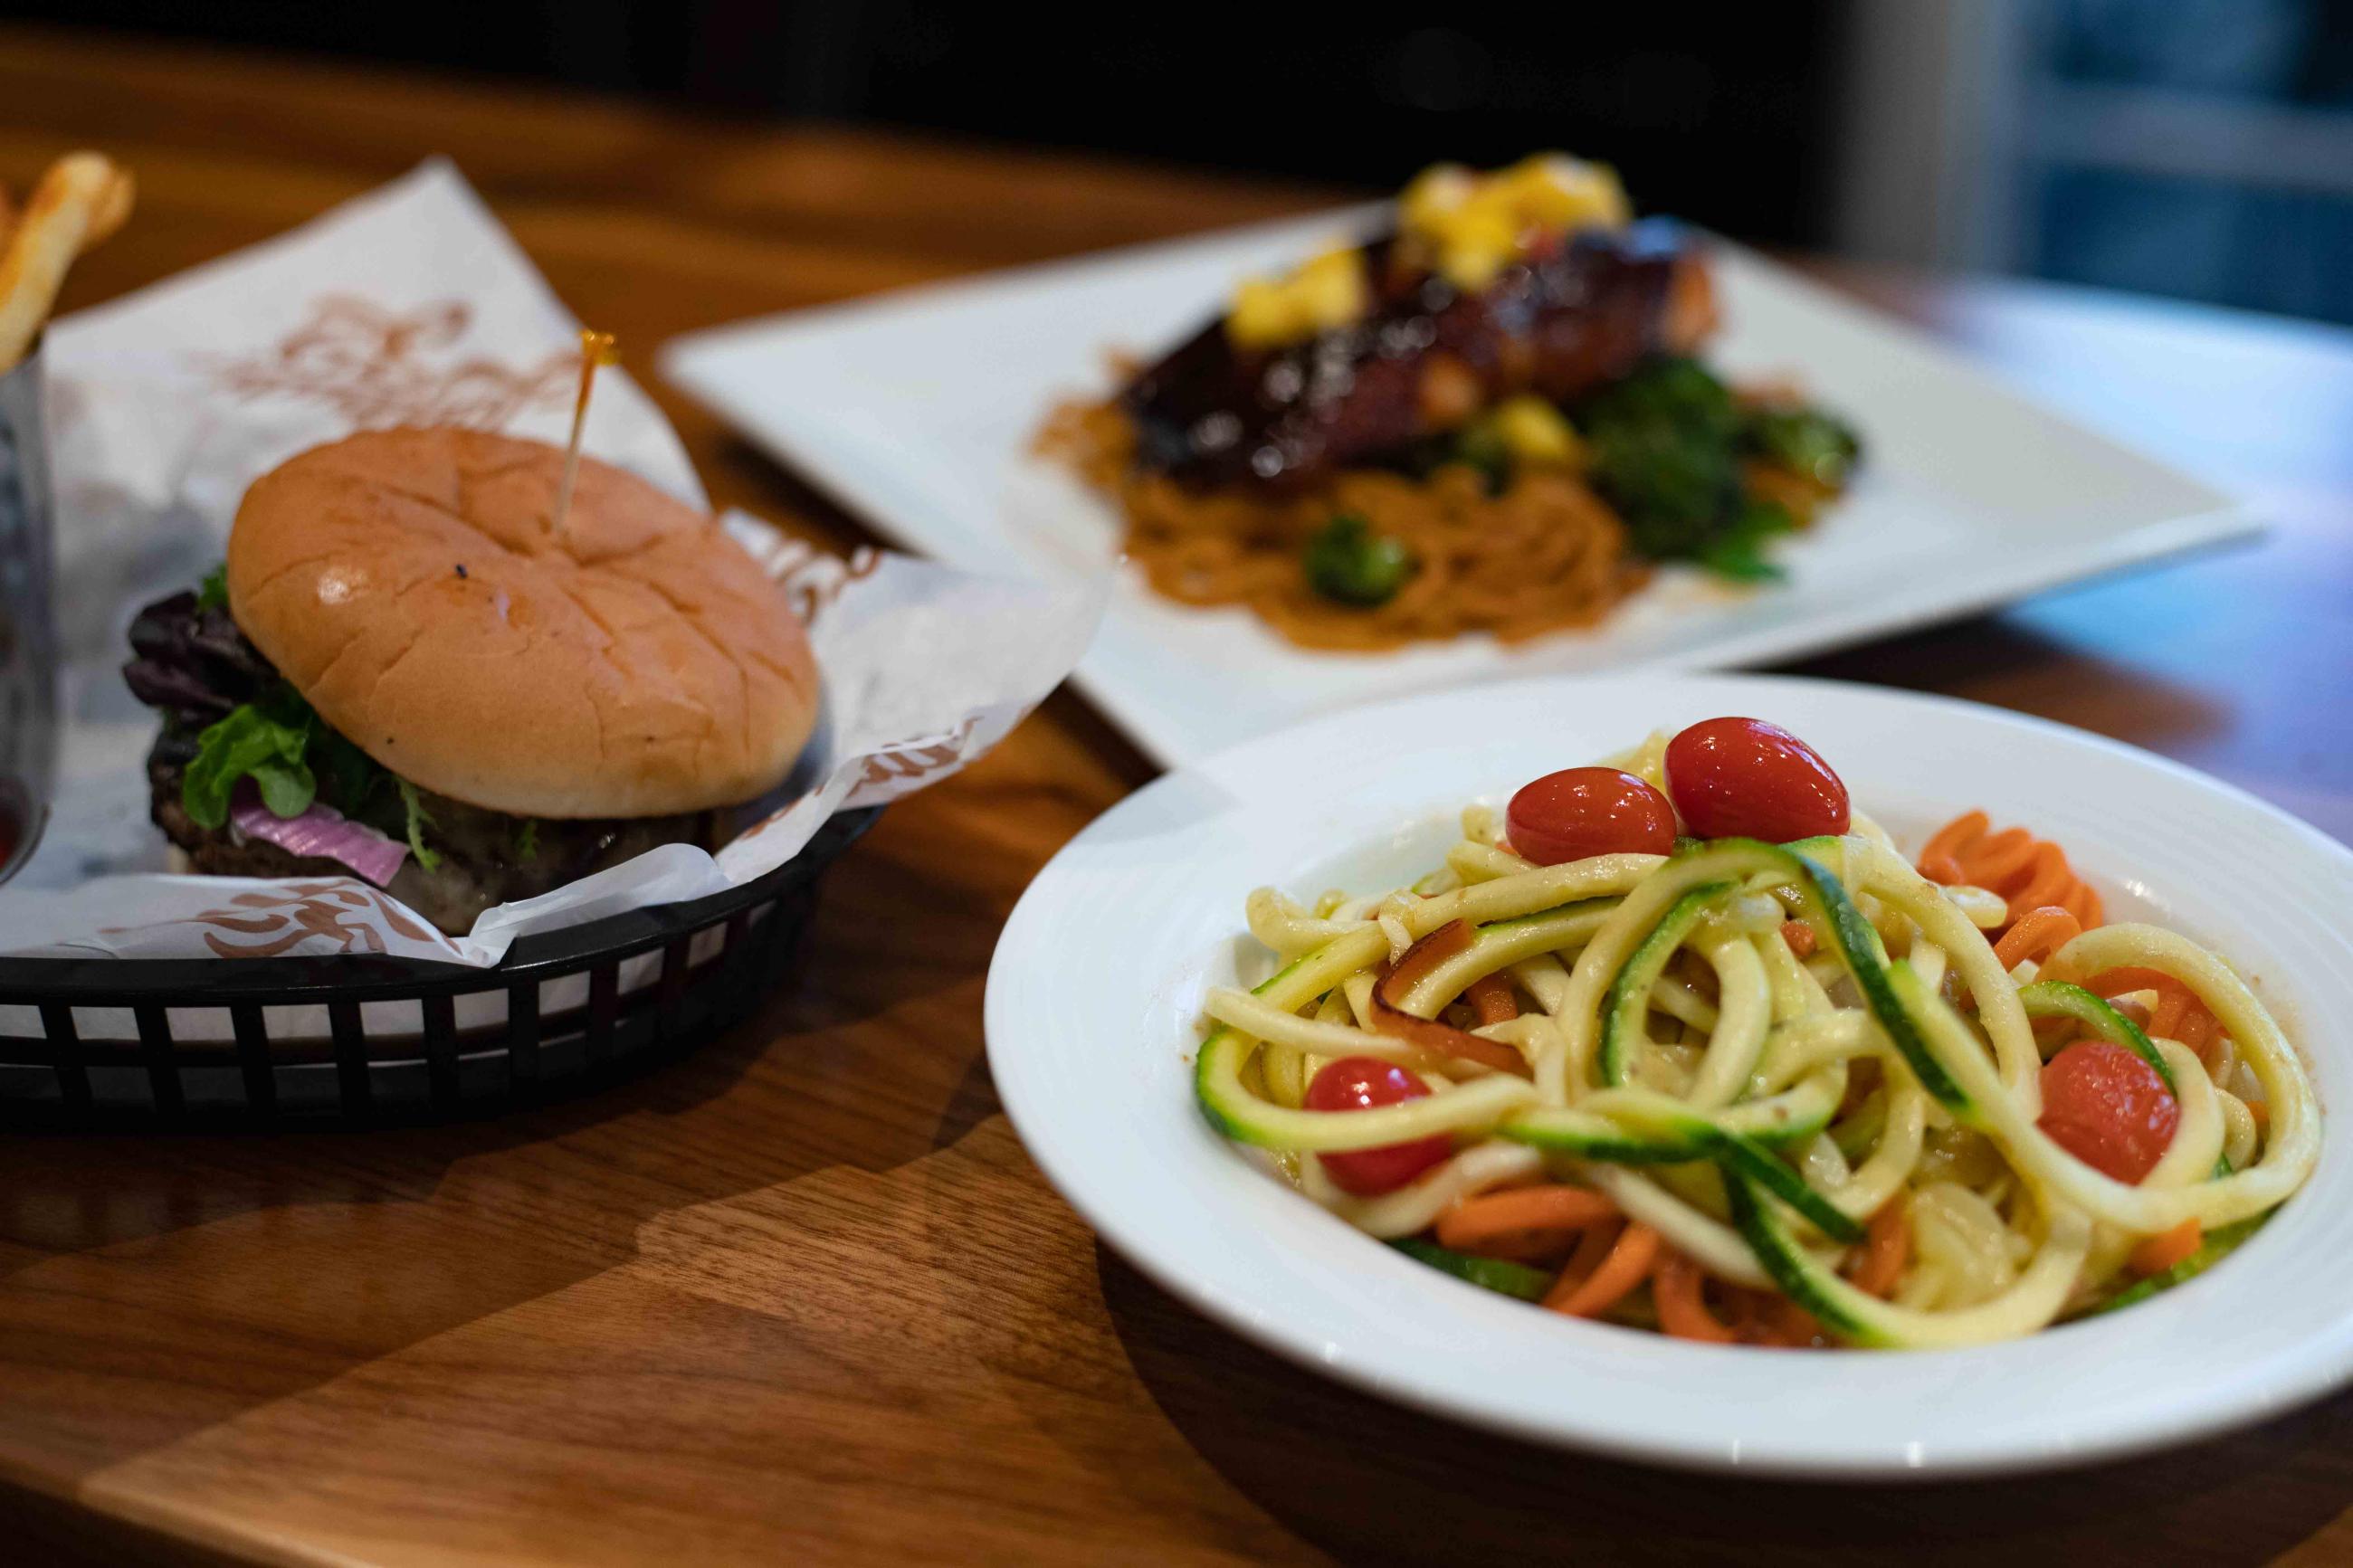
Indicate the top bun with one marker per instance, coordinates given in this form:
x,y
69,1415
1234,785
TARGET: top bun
x,y
412,585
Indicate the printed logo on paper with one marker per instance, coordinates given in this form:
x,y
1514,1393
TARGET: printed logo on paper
x,y
380,368
322,917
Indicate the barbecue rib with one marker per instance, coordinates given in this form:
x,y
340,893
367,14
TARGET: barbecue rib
x,y
1425,359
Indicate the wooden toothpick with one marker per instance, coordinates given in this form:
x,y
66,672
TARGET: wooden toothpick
x,y
596,349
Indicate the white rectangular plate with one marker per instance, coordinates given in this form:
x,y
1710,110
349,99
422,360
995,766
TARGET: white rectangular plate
x,y
918,409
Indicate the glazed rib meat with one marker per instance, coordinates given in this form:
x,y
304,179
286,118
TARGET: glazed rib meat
x,y
1425,358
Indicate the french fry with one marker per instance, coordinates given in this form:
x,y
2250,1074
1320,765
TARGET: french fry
x,y
84,198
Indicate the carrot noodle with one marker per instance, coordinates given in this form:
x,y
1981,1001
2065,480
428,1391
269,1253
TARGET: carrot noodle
x,y
2199,1032
1779,1321
2030,873
1593,1246
2160,1252
1445,1040
1800,936
1761,1318
1478,1222
1940,859
2178,1015
1429,1033
2040,933
1675,1288
2001,857
1628,1265
1541,1250
1424,956
1886,1248
1490,999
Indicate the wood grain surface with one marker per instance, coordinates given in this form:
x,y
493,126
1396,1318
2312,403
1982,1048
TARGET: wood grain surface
x,y
802,1298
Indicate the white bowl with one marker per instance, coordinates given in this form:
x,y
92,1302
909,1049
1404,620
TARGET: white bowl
x,y
1098,979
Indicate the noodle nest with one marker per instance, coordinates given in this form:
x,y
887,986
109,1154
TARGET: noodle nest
x,y
1543,555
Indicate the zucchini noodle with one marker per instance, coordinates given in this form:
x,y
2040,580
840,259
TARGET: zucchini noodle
x,y
1800,1070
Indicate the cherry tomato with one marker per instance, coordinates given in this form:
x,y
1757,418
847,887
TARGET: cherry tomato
x,y
1360,1083
1743,778
1582,812
2105,1105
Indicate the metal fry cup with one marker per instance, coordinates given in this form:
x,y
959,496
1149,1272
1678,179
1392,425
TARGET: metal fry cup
x,y
28,655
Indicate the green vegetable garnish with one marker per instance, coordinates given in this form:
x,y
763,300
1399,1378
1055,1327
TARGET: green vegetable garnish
x,y
348,776
1348,563
527,841
295,758
1488,1273
211,594
1668,445
1805,441
1739,553
264,741
291,755
419,819
1481,445
1663,452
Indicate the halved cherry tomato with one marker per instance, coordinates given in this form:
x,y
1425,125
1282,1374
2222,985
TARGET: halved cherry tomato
x,y
1360,1083
2105,1105
1744,778
1582,812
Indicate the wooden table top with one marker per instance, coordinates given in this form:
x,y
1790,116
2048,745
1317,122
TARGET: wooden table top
x,y
802,1297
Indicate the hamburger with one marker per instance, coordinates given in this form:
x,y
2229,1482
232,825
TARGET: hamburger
x,y
407,669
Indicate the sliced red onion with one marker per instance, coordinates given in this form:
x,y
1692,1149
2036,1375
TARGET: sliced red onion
x,y
321,830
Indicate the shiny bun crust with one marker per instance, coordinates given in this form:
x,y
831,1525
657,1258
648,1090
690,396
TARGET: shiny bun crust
x,y
412,586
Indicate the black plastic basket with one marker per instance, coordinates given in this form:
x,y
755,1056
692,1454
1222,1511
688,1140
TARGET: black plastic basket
x,y
199,1049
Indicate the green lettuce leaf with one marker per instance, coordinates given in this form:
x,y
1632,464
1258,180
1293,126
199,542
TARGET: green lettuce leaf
x,y
264,740
289,754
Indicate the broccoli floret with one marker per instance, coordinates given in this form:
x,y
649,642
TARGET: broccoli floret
x,y
1668,445
1348,563
1663,445
1805,441
1481,445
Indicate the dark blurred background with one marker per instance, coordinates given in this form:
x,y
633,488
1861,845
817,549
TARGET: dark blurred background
x,y
2198,148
